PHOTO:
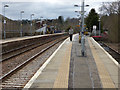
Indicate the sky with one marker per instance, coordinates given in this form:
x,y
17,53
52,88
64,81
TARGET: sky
x,y
48,9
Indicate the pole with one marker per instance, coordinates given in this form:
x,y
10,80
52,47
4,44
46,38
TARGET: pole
x,y
99,27
4,24
31,24
83,39
21,23
82,16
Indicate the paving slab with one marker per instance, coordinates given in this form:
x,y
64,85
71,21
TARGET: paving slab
x,y
106,65
56,72
68,69
83,71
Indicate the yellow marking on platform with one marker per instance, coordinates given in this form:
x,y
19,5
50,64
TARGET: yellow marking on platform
x,y
63,72
103,73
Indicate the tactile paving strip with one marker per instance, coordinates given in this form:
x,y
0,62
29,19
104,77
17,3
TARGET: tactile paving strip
x,y
104,75
63,73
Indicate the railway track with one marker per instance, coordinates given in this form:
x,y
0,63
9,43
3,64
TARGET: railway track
x,y
18,76
17,58
13,52
112,52
17,51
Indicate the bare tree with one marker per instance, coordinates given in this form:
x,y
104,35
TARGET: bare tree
x,y
110,8
119,6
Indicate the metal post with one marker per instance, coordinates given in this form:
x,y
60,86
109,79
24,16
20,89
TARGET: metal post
x,y
4,24
99,27
4,21
82,32
21,24
21,33
31,23
83,38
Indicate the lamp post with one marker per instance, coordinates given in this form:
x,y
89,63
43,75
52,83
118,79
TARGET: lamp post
x,y
79,20
21,32
5,21
82,32
83,38
99,26
31,23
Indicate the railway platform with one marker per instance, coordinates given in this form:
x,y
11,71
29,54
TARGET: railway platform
x,y
25,38
66,68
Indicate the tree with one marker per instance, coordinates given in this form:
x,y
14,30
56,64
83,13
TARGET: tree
x,y
92,19
60,19
60,22
111,18
108,8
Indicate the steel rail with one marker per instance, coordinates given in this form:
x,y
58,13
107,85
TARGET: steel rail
x,y
23,50
27,61
111,51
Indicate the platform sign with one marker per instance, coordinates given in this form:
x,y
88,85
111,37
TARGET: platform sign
x,y
94,30
78,25
84,25
94,27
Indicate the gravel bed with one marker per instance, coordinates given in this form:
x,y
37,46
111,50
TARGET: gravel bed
x,y
27,47
12,63
20,78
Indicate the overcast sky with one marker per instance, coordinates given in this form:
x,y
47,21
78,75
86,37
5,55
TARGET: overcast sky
x,y
48,9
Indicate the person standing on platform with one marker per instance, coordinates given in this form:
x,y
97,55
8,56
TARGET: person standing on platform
x,y
71,33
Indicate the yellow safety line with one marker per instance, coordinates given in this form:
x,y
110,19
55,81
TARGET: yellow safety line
x,y
63,72
103,73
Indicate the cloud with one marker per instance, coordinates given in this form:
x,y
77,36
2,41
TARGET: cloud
x,y
46,8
